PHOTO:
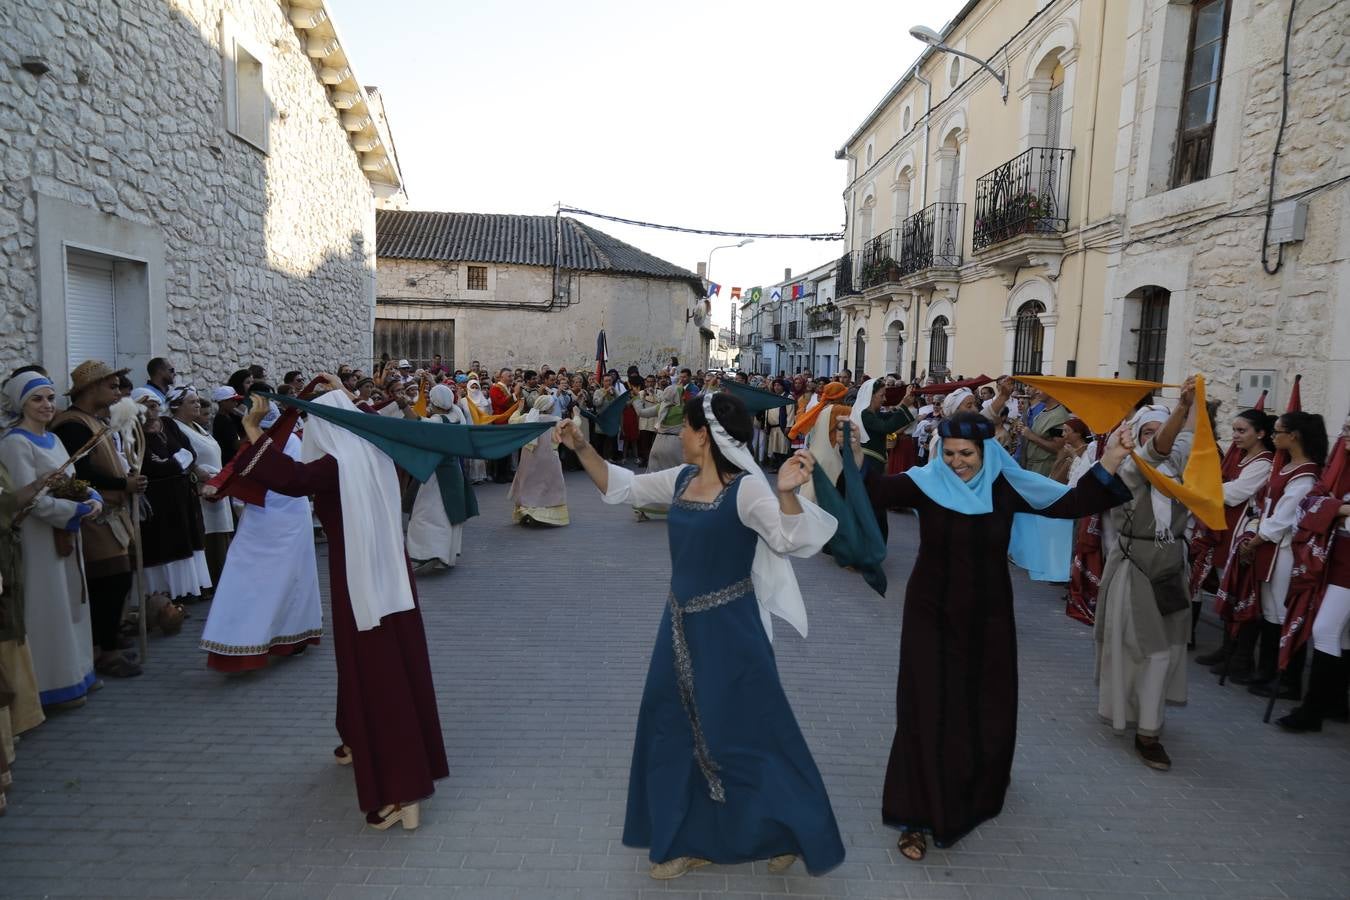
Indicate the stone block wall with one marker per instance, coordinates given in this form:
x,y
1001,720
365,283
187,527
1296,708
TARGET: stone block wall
x,y
268,257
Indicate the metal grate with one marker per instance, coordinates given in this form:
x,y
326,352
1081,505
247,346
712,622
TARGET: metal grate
x,y
476,280
416,341
931,237
1151,348
1029,340
1027,194
937,348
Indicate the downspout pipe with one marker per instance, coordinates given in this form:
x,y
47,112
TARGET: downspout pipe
x,y
923,201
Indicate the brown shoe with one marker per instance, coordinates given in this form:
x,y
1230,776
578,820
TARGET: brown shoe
x,y
782,863
1152,753
676,867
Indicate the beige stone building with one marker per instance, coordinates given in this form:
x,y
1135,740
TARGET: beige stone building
x,y
195,179
1186,287
491,288
1107,218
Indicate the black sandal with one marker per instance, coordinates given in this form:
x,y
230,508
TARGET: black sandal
x,y
913,845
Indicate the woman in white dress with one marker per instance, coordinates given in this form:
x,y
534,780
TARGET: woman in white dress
x,y
482,405
538,493
217,518
433,541
56,612
267,602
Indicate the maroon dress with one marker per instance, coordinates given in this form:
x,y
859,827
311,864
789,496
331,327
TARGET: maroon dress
x,y
956,697
386,703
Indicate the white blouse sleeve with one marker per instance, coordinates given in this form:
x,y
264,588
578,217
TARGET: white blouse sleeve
x,y
1279,525
653,488
1251,479
801,535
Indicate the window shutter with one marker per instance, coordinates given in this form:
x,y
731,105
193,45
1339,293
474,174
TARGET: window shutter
x,y
91,311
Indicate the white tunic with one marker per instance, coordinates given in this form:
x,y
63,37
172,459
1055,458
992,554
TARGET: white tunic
x,y
216,516
269,589
430,533
56,612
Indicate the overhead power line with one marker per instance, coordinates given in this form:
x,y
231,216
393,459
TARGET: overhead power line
x,y
818,236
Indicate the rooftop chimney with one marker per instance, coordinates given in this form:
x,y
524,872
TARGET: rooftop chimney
x,y
702,270
787,274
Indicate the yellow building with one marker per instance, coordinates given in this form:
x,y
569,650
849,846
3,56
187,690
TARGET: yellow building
x,y
977,210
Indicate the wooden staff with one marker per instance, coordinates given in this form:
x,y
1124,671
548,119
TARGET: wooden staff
x,y
135,454
51,480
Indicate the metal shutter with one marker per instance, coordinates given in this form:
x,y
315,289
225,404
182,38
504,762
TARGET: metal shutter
x,y
91,310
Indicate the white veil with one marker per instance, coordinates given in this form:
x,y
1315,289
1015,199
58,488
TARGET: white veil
x,y
775,584
372,516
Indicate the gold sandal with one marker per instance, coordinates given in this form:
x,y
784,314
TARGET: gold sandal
x,y
913,845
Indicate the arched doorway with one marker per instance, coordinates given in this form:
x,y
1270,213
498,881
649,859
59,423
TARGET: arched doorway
x,y
860,353
938,363
895,348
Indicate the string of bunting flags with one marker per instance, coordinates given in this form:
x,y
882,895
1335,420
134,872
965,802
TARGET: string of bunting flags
x,y
755,294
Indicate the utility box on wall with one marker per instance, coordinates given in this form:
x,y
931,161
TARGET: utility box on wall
x,y
1251,382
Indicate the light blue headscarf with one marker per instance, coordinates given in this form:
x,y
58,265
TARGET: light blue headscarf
x,y
1044,547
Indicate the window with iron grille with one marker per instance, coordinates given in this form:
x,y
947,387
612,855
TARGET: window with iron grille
x,y
1151,347
1029,339
937,347
1200,99
860,352
477,278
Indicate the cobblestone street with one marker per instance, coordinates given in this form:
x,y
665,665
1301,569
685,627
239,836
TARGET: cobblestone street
x,y
184,783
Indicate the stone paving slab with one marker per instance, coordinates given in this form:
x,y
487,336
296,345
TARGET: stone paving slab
x,y
187,784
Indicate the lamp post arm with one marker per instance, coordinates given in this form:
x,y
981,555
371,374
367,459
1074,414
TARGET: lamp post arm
x,y
1000,77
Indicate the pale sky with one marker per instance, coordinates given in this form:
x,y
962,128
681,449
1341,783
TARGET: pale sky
x,y
722,115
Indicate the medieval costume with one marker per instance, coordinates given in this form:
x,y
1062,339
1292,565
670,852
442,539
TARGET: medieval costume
x,y
874,429
386,707
956,698
667,451
267,602
502,469
436,526
1143,609
475,469
1319,596
56,608
721,771
20,708
817,425
217,518
646,404
1085,569
173,536
538,494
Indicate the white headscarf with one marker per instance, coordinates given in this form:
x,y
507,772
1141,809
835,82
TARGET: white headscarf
x,y
372,516
864,400
775,584
954,401
441,397
141,393
1162,504
477,398
16,392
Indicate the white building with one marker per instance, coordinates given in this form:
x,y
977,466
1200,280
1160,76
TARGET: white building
x,y
190,180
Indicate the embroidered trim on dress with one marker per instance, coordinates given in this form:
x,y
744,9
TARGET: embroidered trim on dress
x,y
236,650
684,672
699,506
256,456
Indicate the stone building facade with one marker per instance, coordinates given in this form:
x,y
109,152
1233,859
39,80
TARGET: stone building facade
x,y
1187,291
483,287
194,179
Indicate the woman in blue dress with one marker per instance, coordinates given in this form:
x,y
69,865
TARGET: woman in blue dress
x,y
721,772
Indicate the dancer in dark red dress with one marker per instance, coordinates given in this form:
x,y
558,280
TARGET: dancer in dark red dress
x,y
386,706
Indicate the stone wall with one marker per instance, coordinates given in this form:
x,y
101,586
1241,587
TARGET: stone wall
x,y
267,257
643,318
1203,241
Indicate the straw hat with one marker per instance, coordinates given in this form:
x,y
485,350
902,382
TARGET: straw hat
x,y
91,372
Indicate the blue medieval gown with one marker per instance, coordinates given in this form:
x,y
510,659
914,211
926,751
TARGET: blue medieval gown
x,y
720,768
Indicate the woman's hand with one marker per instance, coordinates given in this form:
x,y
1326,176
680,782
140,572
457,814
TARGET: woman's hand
x,y
1187,398
1246,550
95,507
854,443
796,471
567,434
1118,448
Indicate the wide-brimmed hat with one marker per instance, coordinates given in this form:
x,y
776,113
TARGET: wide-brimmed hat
x,y
90,372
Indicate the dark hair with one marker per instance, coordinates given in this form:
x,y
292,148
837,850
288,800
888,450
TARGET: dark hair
x,y
1262,422
531,373
155,365
968,426
686,372
1311,431
291,376
259,386
257,371
236,380
31,368
123,383
733,416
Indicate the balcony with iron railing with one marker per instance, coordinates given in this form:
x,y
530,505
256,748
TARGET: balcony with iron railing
x,y
757,341
776,332
1028,196
793,329
823,322
879,265
844,282
932,238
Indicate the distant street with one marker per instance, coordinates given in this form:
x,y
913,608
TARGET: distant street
x,y
184,783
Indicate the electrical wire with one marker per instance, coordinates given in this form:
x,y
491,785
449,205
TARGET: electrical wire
x,y
818,236
1275,155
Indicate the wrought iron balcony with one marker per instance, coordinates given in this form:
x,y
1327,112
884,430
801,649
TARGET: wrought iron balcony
x,y
793,329
844,282
931,238
1029,194
775,332
825,321
757,341
879,265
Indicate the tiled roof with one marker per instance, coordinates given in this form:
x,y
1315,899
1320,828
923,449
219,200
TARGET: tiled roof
x,y
520,240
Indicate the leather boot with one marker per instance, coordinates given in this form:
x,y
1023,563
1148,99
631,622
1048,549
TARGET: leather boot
x,y
1243,648
1289,686
1195,620
1322,682
1267,656
1220,656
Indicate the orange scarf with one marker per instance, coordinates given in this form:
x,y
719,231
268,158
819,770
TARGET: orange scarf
x,y
832,392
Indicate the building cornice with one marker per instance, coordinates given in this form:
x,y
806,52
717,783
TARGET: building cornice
x,y
356,114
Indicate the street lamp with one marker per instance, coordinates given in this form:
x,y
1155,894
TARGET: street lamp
x,y
933,39
707,269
